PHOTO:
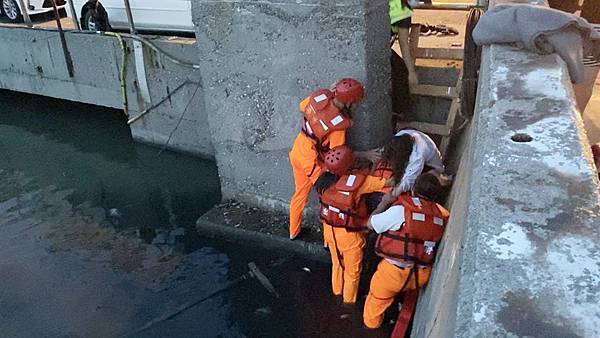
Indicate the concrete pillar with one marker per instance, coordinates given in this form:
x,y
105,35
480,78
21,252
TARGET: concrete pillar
x,y
259,59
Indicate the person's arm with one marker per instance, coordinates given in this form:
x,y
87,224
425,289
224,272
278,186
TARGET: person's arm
x,y
337,138
371,184
403,40
413,170
303,104
373,155
390,220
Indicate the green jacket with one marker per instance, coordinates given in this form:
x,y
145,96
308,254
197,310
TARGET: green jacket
x,y
398,11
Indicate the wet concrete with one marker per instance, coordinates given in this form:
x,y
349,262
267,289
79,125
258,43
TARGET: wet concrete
x,y
97,238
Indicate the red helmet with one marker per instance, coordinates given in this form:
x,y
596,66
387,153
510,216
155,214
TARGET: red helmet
x,y
349,91
339,160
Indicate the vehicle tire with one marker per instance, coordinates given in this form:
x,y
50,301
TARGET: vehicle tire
x,y
88,22
11,10
95,17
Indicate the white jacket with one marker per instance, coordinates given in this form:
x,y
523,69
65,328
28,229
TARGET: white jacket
x,y
424,152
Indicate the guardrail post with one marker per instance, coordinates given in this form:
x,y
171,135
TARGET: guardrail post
x,y
73,15
129,17
24,13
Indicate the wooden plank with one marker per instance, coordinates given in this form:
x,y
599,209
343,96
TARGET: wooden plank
x,y
435,91
413,39
451,121
430,128
440,53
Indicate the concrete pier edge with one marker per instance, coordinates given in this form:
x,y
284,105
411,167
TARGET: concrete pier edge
x,y
230,234
519,258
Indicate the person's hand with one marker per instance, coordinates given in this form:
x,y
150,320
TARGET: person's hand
x,y
385,203
361,163
372,155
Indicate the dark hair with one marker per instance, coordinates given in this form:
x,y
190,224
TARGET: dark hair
x,y
428,186
326,180
372,200
396,154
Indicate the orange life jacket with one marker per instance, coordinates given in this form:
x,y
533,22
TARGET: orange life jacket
x,y
339,205
321,117
381,170
418,239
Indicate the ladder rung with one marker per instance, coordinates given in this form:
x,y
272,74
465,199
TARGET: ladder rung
x,y
440,53
430,128
435,91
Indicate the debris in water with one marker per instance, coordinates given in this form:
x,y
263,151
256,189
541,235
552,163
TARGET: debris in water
x,y
256,273
345,316
237,225
178,232
263,311
306,269
160,238
114,212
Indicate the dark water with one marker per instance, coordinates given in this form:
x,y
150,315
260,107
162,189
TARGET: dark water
x,y
96,239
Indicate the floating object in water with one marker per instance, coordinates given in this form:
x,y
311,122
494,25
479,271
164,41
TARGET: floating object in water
x,y
306,269
345,316
114,212
263,311
254,272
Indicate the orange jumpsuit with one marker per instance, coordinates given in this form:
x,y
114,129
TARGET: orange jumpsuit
x,y
348,247
306,168
386,284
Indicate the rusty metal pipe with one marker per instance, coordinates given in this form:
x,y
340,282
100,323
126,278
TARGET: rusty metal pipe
x,y
63,41
130,17
74,15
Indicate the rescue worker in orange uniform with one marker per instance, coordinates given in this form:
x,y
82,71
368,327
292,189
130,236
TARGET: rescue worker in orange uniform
x,y
343,210
410,232
327,116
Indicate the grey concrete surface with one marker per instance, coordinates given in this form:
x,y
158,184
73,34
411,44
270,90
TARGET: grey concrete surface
x,y
32,61
260,59
520,254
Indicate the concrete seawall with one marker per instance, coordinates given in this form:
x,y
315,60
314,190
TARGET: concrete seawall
x,y
260,59
520,256
32,61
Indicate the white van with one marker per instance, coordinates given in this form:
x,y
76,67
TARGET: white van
x,y
13,11
150,15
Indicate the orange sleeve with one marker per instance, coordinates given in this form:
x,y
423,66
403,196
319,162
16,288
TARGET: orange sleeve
x,y
303,104
371,184
337,138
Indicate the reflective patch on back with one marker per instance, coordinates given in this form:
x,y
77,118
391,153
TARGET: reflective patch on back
x,y
350,180
308,128
418,217
334,209
320,98
438,221
323,125
344,193
416,201
429,246
337,120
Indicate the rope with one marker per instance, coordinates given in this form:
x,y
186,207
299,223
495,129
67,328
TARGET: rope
x,y
180,118
471,65
146,42
154,106
122,71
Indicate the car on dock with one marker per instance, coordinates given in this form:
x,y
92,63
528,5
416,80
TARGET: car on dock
x,y
148,15
12,10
